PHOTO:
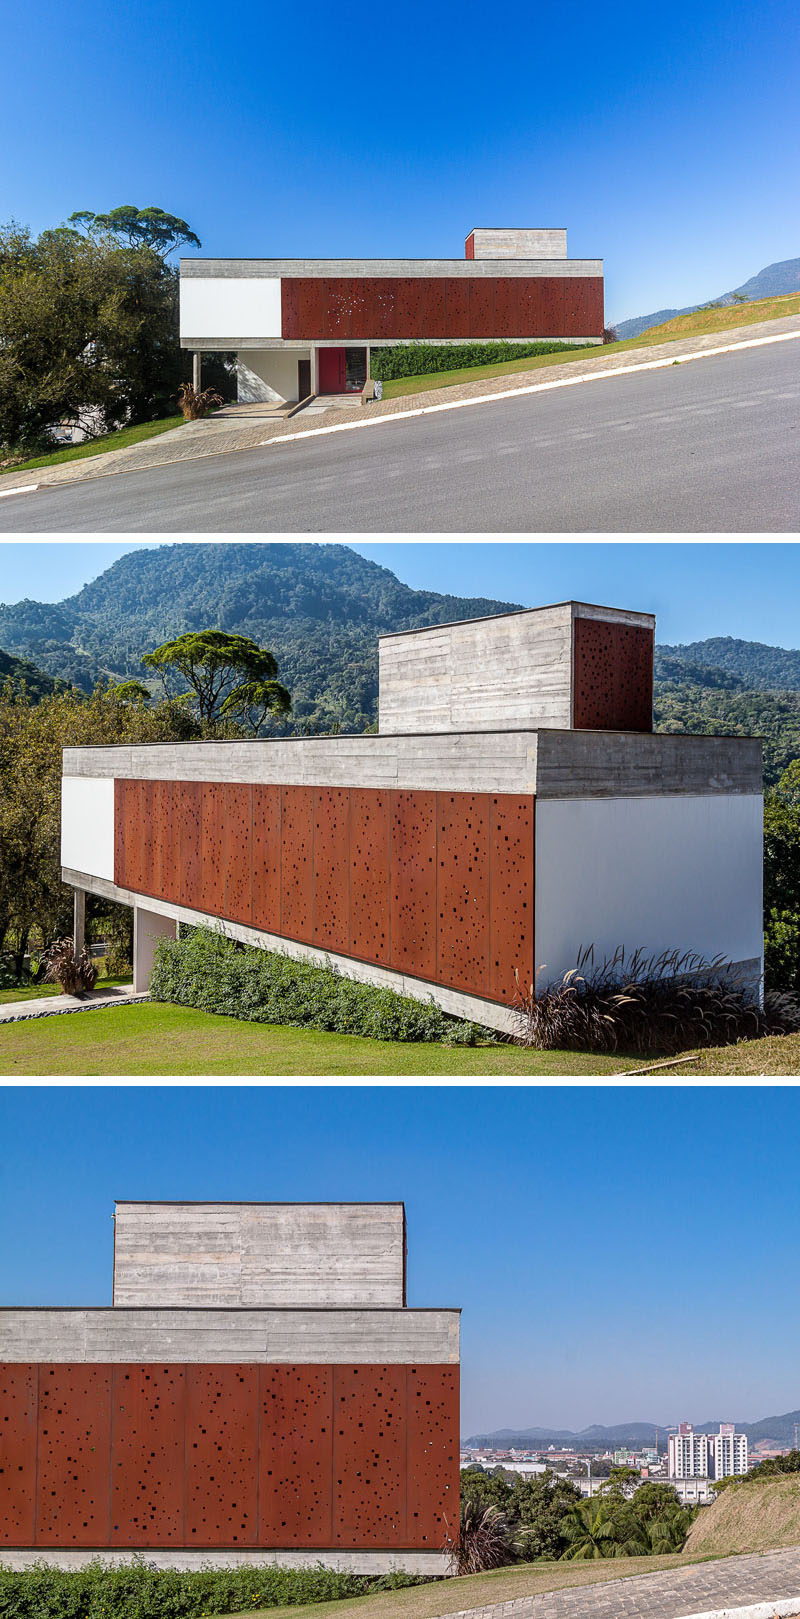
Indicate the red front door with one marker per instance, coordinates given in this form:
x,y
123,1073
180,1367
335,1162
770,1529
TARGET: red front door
x,y
331,371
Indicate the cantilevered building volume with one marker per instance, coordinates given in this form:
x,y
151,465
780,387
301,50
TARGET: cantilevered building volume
x,y
309,326
258,1392
515,806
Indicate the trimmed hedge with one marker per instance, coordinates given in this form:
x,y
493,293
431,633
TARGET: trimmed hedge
x,y
421,359
215,974
140,1591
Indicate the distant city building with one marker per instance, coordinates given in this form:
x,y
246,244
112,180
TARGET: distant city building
x,y
700,1455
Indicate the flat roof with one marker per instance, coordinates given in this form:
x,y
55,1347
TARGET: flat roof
x,y
516,612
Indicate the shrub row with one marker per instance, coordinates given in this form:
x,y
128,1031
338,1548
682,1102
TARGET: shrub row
x,y
420,359
140,1591
215,974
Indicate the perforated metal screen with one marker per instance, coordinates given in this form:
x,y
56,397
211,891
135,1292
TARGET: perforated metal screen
x,y
402,307
436,885
224,1456
613,676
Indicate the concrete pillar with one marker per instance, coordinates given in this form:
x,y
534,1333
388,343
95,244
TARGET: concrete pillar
x,y
197,371
369,356
79,919
148,928
312,351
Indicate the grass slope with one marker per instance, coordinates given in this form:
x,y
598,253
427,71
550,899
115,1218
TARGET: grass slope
x,y
160,1039
748,1518
150,1039
100,446
700,324
477,1590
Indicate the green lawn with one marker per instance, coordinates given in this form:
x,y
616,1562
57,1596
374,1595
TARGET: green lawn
x,y
36,992
159,1039
100,446
476,1590
700,324
151,1039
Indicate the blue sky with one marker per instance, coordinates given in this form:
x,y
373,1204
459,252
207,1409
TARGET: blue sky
x,y
619,1254
664,140
696,590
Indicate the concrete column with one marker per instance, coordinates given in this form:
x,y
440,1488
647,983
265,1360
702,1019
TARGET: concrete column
x,y
79,919
148,928
369,357
312,351
197,371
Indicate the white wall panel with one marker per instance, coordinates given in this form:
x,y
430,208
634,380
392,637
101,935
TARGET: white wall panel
x,y
678,872
230,307
87,825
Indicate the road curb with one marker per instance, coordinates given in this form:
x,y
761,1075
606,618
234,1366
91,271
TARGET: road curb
x,y
781,1608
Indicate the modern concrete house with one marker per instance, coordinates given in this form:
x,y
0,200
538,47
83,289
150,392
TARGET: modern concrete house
x,y
257,1392
515,806
307,326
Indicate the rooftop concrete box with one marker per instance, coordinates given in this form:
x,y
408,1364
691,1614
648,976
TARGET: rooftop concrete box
x,y
259,1254
194,1433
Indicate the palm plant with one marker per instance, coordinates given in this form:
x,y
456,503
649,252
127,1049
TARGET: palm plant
x,y
602,1528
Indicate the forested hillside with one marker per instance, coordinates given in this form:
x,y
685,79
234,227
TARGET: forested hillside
x,y
23,675
321,608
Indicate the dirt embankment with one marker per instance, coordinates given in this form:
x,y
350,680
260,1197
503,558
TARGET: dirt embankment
x,y
748,1518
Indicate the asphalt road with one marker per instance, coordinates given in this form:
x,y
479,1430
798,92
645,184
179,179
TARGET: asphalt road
x,y
709,446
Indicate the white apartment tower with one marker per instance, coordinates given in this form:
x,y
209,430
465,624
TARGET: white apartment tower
x,y
700,1455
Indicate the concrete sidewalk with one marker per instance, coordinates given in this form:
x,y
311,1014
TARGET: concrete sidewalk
x,y
699,1589
245,427
57,1005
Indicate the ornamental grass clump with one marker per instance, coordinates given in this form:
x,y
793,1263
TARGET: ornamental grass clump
x,y
649,1004
485,1539
75,974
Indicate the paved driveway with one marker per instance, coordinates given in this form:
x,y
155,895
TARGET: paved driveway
x,y
733,1582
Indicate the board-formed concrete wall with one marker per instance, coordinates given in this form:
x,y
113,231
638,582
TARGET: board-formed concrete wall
x,y
259,1254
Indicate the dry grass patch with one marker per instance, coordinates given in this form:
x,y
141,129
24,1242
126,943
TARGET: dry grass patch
x,y
746,1517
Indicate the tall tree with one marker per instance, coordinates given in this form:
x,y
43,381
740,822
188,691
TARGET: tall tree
x,y
139,227
230,677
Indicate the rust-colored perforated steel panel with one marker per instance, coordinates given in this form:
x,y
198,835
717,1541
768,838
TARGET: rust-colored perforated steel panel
x,y
369,1455
147,1461
221,1455
295,1475
297,863
212,884
18,1396
413,878
511,896
289,310
74,1456
236,852
129,871
469,246
332,868
433,1456
189,857
149,832
481,306
462,860
160,836
613,676
266,890
370,885
456,291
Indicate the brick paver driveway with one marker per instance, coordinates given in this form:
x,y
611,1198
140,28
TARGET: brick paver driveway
x,y
733,1582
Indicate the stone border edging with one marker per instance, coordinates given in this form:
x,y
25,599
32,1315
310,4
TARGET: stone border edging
x,y
23,1011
